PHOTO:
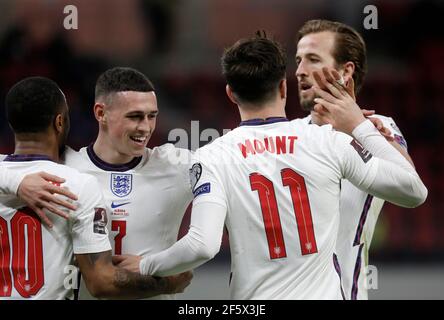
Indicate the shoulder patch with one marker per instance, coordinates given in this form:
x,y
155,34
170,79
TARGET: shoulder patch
x,y
363,153
205,188
100,220
195,173
401,141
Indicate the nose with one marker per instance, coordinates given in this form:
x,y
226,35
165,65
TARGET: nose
x,y
144,125
301,70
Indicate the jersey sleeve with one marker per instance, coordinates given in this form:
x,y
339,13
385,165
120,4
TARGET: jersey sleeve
x,y
89,230
204,181
9,181
356,163
388,176
396,133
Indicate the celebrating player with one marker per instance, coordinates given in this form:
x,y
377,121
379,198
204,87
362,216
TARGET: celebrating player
x,y
323,43
276,186
33,258
137,182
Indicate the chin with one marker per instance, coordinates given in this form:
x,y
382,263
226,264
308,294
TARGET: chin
x,y
139,152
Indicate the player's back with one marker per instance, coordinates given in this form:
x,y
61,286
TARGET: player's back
x,y
281,181
34,259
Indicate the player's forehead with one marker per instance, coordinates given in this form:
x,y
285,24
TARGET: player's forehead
x,y
131,101
320,43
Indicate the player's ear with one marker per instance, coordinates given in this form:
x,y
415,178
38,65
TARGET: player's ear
x,y
349,70
283,88
230,94
99,112
59,123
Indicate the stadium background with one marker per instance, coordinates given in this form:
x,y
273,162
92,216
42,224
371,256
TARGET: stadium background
x,y
178,44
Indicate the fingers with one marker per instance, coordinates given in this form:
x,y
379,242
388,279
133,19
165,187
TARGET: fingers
x,y
54,188
337,76
325,96
377,123
51,208
329,77
43,217
118,259
387,134
328,83
319,81
51,177
334,81
383,130
61,202
326,104
350,87
368,113
62,191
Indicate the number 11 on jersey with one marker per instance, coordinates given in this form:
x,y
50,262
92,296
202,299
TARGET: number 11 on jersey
x,y
270,212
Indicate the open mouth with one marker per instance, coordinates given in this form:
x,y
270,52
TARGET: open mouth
x,y
305,86
139,140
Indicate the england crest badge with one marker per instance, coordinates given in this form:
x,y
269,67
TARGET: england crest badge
x,y
121,184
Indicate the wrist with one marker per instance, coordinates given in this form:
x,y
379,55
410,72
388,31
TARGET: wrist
x,y
363,129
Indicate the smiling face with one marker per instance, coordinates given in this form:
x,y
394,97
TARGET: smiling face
x,y
129,121
314,51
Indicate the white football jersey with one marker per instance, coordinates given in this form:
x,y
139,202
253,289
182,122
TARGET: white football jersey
x,y
280,183
359,214
35,261
146,199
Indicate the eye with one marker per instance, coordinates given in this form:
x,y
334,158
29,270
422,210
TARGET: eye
x,y
135,117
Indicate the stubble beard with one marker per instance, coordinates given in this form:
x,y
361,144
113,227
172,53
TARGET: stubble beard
x,y
307,104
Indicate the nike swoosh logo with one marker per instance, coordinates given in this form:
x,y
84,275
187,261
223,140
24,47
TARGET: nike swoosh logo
x,y
116,205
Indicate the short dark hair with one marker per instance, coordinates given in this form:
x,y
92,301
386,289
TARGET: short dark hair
x,y
32,104
122,79
254,67
349,45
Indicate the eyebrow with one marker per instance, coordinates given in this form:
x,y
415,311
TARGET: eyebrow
x,y
133,113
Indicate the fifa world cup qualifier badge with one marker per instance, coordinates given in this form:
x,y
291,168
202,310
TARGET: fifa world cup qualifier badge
x,y
363,153
100,220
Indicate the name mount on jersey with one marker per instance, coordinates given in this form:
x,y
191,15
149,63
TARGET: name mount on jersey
x,y
277,145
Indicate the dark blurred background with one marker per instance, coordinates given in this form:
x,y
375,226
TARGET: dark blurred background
x,y
178,44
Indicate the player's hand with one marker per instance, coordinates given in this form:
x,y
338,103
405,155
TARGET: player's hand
x,y
385,132
332,76
39,193
128,262
336,106
178,283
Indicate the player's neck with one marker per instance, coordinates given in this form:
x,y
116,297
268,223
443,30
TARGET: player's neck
x,y
316,120
40,147
107,153
274,109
